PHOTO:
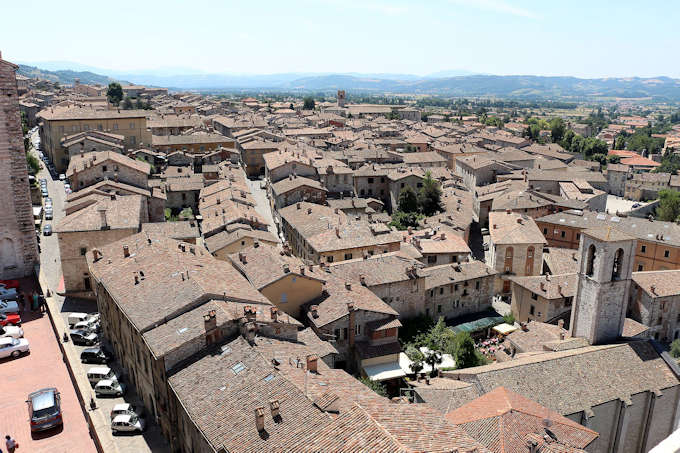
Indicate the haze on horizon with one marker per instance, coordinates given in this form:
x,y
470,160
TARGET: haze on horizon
x,y
579,38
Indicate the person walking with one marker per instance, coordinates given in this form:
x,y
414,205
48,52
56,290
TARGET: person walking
x,y
11,444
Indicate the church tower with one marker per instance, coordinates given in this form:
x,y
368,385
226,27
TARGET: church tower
x,y
18,244
341,98
604,278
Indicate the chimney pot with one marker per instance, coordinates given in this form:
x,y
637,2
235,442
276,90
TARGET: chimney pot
x,y
348,286
259,418
274,406
126,251
274,312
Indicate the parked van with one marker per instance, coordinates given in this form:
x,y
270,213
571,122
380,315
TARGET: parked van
x,y
75,318
44,409
98,373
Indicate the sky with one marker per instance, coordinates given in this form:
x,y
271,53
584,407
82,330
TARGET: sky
x,y
594,38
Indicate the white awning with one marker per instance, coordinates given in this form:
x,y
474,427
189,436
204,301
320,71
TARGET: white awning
x,y
405,362
504,328
384,371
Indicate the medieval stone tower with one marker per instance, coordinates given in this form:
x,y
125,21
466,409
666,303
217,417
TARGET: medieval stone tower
x,y
341,98
18,244
603,284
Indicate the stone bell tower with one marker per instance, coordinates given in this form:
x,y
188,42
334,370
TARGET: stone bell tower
x,y
18,244
341,98
604,278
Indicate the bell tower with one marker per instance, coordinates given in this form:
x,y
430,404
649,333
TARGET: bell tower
x,y
599,310
341,98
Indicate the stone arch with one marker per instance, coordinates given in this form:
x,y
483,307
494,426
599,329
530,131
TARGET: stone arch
x,y
590,260
618,264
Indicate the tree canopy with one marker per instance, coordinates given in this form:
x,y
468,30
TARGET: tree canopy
x,y
114,93
408,200
429,197
308,103
669,205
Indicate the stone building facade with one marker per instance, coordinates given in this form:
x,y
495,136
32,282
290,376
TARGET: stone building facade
x,y
18,243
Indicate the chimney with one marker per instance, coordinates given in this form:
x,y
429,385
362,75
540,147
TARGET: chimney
x,y
348,286
126,251
495,226
274,406
560,323
532,445
523,326
136,279
362,279
259,418
443,236
274,312
302,269
102,216
543,286
256,244
299,206
312,360
309,210
350,309
519,220
286,268
96,255
314,310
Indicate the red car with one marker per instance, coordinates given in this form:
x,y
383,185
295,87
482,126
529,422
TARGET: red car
x,y
10,284
10,319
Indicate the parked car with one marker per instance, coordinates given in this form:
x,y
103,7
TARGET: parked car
x,y
485,231
9,306
62,177
636,205
13,347
44,409
96,355
10,319
126,409
108,387
47,229
43,180
10,283
127,424
89,325
76,317
49,214
101,373
11,331
83,337
44,192
8,293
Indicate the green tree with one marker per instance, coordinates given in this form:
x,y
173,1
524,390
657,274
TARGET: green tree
x,y
592,145
433,358
567,139
416,357
114,93
670,163
669,205
675,349
139,104
465,353
127,103
408,200
620,142
509,319
308,103
33,164
402,220
577,144
429,197
557,129
377,387
613,159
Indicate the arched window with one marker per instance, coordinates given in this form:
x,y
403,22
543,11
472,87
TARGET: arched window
x,y
618,264
590,259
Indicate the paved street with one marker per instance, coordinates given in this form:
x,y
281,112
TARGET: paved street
x,y
262,203
152,440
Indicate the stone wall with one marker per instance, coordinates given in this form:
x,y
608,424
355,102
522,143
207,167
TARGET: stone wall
x,y
18,244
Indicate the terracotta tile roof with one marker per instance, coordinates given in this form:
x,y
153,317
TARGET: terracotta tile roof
x,y
224,238
608,234
658,283
80,162
163,278
639,161
512,228
122,212
289,184
447,274
174,230
376,270
549,286
501,419
561,260
590,375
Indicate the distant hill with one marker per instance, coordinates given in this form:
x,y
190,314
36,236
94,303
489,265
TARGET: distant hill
x,y
67,77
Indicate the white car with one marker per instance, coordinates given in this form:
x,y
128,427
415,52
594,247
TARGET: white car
x,y
108,387
62,177
89,325
11,332
125,409
127,424
13,347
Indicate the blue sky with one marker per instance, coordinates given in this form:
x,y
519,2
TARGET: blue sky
x,y
594,38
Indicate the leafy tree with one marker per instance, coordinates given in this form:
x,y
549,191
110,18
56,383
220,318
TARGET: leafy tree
x,y
139,104
377,387
577,144
675,348
408,200
433,358
291,106
416,357
402,220
592,145
599,157
127,103
429,197
308,103
567,139
509,319
613,159
669,205
114,93
465,353
440,337
557,129
33,164
670,163
620,142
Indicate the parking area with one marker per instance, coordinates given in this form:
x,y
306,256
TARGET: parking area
x,y
620,204
43,367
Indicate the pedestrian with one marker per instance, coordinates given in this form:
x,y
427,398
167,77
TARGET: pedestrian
x,y
11,444
43,305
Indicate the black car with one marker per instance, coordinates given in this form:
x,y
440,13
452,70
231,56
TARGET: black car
x,y
82,337
96,355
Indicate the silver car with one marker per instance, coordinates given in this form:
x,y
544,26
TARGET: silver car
x,y
108,387
13,347
127,424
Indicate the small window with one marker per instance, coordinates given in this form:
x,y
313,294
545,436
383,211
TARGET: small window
x,y
432,259
337,334
640,267
563,234
237,368
439,308
532,309
578,236
545,231
115,126
666,253
441,290
348,256
370,180
104,168
329,259
83,251
534,296
402,185
344,333
476,285
643,248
